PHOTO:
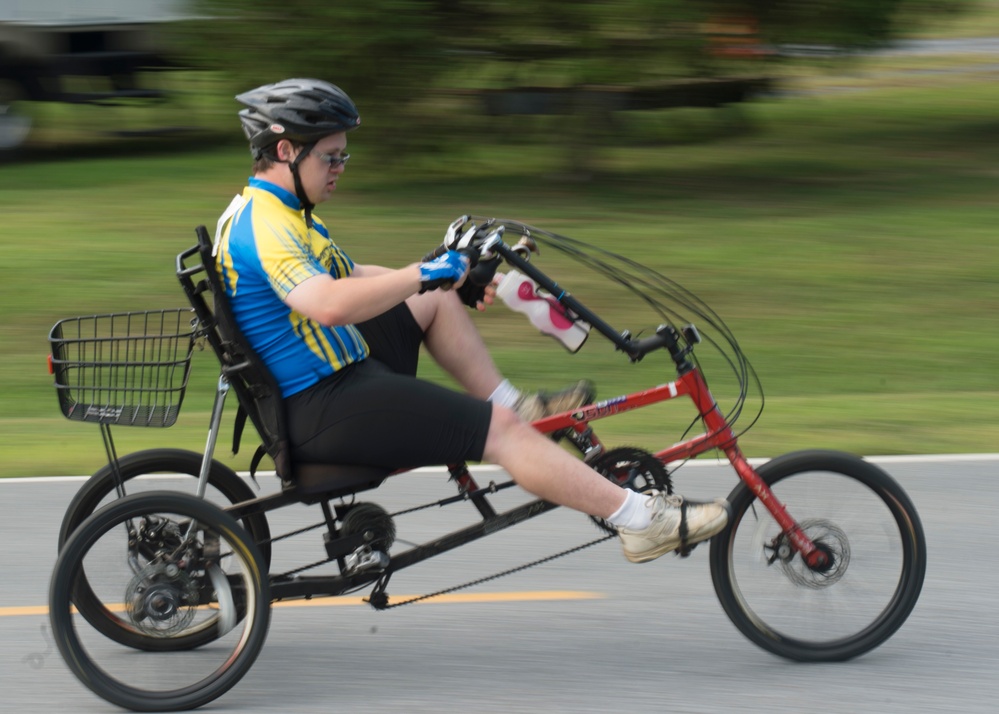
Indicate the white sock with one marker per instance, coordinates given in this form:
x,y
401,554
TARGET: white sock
x,y
506,395
634,514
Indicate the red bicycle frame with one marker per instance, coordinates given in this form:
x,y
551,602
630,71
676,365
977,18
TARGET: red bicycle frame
x,y
690,382
718,435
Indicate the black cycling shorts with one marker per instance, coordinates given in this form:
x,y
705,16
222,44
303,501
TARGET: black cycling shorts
x,y
377,413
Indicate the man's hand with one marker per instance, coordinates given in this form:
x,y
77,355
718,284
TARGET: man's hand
x,y
444,271
478,289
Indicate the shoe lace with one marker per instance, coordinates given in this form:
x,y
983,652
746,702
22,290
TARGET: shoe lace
x,y
661,499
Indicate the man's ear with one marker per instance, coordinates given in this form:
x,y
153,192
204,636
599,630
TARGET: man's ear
x,y
285,150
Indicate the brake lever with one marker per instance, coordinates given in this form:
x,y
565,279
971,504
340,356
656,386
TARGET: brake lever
x,y
525,246
489,242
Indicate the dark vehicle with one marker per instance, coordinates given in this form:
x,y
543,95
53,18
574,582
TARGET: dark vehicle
x,y
78,53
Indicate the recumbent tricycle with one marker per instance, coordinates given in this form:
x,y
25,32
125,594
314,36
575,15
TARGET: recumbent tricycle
x,y
161,600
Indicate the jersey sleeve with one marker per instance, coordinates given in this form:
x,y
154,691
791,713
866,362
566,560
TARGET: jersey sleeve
x,y
331,256
286,260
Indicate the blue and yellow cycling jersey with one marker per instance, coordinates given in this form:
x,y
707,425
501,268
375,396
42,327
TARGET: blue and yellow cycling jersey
x,y
263,252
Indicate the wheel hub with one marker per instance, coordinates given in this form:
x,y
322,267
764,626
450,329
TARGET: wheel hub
x,y
832,543
161,600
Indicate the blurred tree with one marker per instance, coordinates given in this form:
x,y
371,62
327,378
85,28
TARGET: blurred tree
x,y
846,25
375,49
391,55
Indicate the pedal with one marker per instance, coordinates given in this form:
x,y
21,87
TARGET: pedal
x,y
365,558
684,550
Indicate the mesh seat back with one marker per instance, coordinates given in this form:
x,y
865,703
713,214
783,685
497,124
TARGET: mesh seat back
x,y
256,389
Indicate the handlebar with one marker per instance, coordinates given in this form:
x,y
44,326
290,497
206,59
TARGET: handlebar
x,y
435,253
480,245
666,336
641,347
487,241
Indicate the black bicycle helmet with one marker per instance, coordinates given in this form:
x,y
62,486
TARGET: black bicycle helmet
x,y
302,110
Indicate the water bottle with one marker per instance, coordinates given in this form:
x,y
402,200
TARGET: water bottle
x,y
522,294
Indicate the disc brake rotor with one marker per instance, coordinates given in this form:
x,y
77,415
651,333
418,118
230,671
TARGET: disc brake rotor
x,y
161,600
828,538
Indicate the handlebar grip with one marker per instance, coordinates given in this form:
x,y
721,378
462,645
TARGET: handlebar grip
x,y
444,284
435,253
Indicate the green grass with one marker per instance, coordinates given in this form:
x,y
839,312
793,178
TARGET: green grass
x,y
849,240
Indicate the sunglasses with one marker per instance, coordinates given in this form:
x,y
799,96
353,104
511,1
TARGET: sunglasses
x,y
331,161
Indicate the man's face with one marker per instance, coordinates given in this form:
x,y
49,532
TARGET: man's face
x,y
318,176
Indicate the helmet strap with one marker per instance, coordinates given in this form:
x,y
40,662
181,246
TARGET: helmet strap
x,y
299,189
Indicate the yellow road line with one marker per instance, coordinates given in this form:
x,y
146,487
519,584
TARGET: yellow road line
x,y
452,598
30,610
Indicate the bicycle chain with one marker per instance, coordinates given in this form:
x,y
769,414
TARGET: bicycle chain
x,y
316,564
379,599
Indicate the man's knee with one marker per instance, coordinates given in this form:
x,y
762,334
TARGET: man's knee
x,y
506,431
426,306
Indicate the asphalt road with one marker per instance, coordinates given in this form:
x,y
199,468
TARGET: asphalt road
x,y
616,638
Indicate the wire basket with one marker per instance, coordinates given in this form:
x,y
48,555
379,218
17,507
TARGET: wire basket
x,y
126,368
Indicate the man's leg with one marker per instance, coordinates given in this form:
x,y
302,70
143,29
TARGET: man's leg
x,y
536,463
456,345
454,342
649,525
543,468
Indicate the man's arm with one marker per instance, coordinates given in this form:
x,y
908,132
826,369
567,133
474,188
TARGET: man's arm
x,y
370,290
488,298
366,271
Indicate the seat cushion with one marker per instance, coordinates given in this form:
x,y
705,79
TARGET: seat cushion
x,y
332,480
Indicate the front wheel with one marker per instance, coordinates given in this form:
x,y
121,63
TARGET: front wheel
x,y
876,559
165,563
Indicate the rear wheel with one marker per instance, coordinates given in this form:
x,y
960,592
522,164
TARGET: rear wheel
x,y
165,564
865,524
162,468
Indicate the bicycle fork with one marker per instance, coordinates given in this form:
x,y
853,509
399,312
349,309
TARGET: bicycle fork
x,y
721,434
814,557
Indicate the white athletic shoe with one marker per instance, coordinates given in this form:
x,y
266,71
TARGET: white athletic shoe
x,y
538,405
675,522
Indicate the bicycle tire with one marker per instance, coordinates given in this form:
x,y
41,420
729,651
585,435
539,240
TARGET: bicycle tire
x,y
780,604
81,651
102,485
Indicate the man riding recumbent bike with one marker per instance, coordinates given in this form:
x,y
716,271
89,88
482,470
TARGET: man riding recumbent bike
x,y
160,600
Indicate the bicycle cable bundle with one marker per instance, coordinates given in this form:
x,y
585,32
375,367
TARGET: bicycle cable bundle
x,y
671,302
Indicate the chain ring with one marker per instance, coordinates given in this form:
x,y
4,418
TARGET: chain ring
x,y
370,518
634,468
